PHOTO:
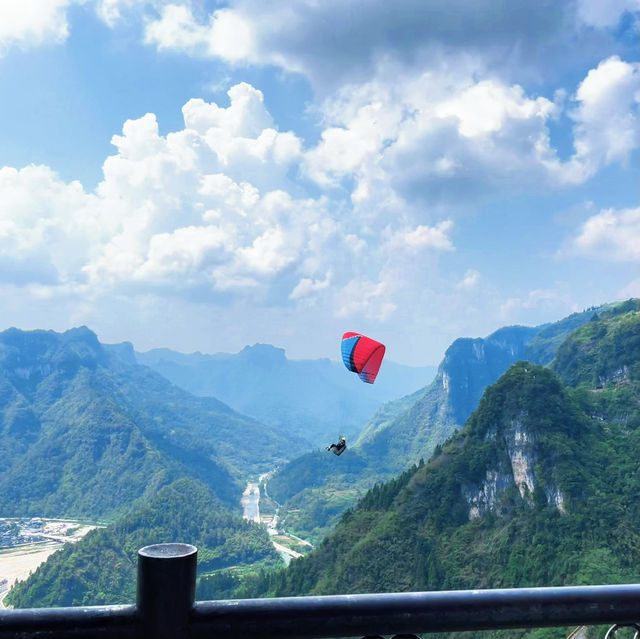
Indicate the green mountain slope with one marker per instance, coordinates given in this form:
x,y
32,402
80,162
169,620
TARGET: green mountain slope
x,y
533,491
83,433
404,431
101,568
468,367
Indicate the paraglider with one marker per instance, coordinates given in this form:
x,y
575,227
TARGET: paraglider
x,y
339,448
362,355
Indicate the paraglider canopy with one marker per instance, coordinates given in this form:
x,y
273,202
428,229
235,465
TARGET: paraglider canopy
x,y
362,355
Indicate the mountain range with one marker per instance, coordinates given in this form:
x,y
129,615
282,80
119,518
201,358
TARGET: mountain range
x,y
538,487
84,431
406,430
314,399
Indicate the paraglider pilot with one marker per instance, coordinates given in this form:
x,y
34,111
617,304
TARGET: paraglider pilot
x,y
338,449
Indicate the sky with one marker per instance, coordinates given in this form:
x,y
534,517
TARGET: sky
x,y
206,175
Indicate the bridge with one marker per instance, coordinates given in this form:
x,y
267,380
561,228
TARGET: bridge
x,y
165,608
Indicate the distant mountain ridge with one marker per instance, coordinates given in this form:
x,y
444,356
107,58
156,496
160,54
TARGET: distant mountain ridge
x,y
85,432
315,399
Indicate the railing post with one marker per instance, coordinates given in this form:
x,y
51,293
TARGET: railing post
x,y
166,589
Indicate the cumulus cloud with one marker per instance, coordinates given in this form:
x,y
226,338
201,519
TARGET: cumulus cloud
x,y
30,23
423,236
307,286
227,34
207,206
48,228
316,38
606,120
209,212
446,136
612,235
219,206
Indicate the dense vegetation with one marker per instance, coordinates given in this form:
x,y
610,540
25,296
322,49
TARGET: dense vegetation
x,y
538,488
101,569
535,490
315,490
84,432
418,532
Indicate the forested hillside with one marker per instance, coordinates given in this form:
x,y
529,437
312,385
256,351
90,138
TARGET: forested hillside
x,y
84,433
404,431
101,569
537,489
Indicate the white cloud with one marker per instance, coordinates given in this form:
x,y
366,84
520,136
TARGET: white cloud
x,y
601,14
366,299
611,235
48,229
227,34
113,11
208,212
315,38
606,121
440,137
446,137
423,236
470,280
307,286
29,23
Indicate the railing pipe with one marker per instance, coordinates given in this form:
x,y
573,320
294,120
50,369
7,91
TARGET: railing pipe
x,y
86,622
415,613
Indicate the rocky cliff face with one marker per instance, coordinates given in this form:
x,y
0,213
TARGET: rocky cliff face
x,y
519,467
468,367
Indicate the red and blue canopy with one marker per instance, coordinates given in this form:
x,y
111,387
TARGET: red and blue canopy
x,y
362,355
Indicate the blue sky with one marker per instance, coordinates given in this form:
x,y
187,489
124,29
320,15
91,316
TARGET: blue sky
x,y
202,175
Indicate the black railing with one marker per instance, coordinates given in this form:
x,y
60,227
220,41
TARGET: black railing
x,y
166,609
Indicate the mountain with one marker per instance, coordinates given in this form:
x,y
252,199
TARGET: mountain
x,y
404,431
314,399
101,568
84,432
468,367
535,490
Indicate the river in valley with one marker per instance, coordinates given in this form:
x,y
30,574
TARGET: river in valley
x,y
279,538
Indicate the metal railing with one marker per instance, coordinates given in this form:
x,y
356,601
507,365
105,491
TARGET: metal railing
x,y
166,609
